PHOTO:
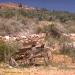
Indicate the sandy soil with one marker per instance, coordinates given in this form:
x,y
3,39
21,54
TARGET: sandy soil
x,y
42,70
37,71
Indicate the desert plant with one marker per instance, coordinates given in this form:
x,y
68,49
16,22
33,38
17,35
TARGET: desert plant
x,y
7,50
7,13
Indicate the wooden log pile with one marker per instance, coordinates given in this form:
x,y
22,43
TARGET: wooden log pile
x,y
31,50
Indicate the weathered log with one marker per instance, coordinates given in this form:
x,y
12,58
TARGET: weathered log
x,y
12,62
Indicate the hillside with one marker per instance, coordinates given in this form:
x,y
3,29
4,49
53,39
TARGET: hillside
x,y
15,18
21,19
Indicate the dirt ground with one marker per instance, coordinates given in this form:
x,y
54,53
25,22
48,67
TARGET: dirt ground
x,y
37,71
53,69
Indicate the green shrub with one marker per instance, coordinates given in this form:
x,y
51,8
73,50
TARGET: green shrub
x,y
7,50
7,13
